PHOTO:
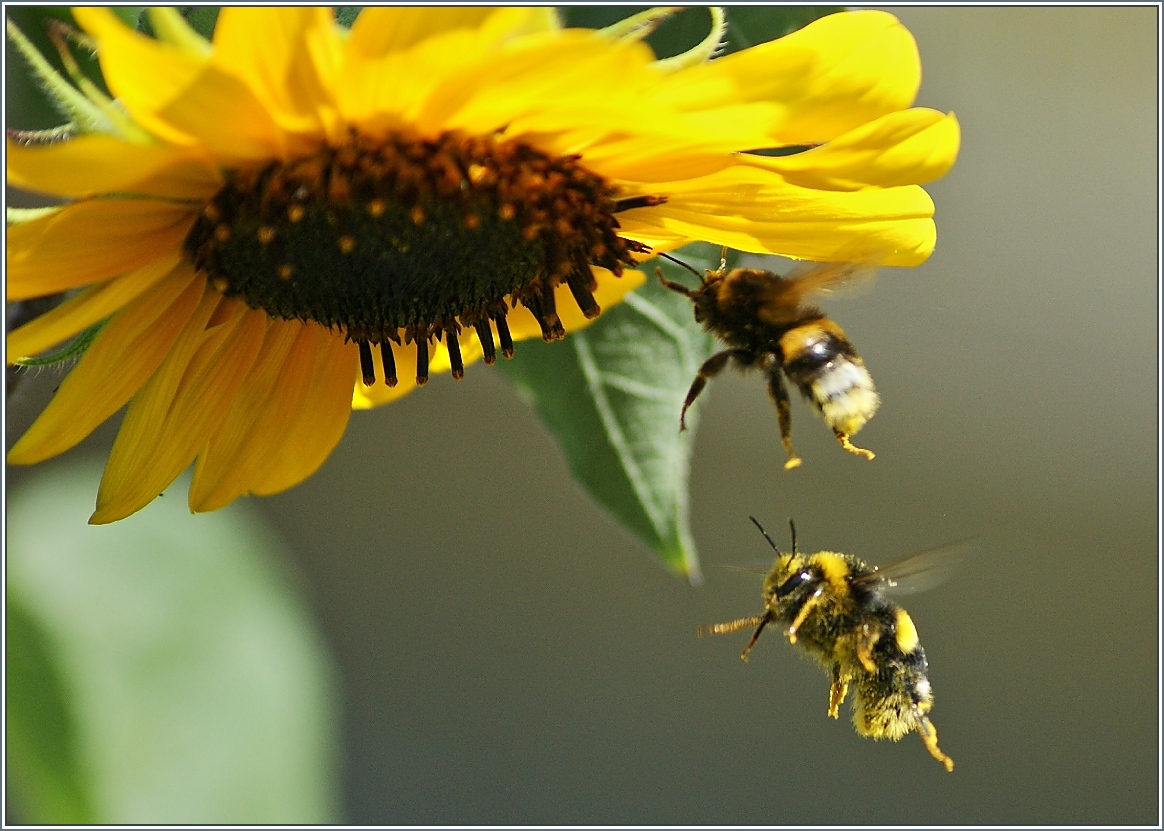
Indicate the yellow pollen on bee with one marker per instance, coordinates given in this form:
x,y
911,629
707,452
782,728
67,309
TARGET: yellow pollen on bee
x,y
285,271
837,694
296,212
906,635
266,234
347,244
843,438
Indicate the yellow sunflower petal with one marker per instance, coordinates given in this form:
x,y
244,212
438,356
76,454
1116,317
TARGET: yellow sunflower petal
x,y
172,417
91,306
396,56
753,210
827,78
275,423
379,30
238,447
170,27
120,360
142,73
643,162
324,51
227,118
322,417
376,92
180,96
280,66
90,241
904,148
540,73
611,290
95,163
516,21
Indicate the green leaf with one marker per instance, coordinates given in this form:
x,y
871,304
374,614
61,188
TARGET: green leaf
x,y
132,16
611,396
201,19
44,768
161,669
346,15
747,25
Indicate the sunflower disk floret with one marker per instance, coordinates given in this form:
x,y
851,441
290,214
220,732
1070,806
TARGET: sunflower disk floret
x,y
403,238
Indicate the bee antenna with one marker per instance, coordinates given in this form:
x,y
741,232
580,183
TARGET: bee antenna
x,y
769,539
792,528
677,261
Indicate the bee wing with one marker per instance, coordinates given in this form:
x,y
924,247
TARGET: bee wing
x,y
809,279
922,571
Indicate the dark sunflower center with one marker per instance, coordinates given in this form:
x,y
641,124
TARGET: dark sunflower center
x,y
409,238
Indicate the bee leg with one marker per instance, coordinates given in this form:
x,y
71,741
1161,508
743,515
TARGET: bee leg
x,y
779,394
679,287
805,609
843,438
732,626
929,736
865,643
712,367
837,692
759,621
755,637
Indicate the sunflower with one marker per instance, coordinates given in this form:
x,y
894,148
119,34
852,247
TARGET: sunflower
x,y
294,219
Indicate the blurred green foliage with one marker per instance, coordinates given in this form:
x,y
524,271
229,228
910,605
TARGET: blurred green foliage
x,y
162,669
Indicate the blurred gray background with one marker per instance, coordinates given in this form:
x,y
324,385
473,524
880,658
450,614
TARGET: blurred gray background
x,y
509,654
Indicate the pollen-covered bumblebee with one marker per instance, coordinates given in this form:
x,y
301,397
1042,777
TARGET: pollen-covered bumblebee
x,y
835,606
762,319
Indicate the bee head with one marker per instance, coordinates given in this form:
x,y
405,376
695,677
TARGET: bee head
x,y
792,579
798,579
704,302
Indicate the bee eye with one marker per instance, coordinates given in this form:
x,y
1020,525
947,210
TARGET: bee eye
x,y
793,582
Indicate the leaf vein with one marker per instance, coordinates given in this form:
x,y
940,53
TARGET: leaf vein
x,y
638,388
615,433
665,324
